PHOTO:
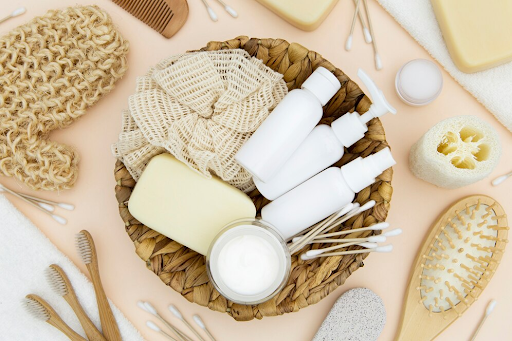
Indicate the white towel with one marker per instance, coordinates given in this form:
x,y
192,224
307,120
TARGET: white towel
x,y
25,254
492,88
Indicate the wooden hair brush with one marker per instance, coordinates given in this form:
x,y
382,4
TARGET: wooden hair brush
x,y
164,16
457,260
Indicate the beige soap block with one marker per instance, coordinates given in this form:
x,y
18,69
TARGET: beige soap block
x,y
478,33
304,14
184,205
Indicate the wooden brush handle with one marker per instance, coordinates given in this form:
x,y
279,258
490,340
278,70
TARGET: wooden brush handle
x,y
57,322
108,322
93,334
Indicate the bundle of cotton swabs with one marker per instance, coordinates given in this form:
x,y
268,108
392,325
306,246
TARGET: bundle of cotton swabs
x,y
46,206
178,334
318,234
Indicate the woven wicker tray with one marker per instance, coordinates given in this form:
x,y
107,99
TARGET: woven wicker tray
x,y
310,281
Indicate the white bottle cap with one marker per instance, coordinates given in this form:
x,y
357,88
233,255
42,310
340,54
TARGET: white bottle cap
x,y
323,84
361,173
351,127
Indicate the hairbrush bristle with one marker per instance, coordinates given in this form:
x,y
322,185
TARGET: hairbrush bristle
x,y
459,259
84,247
36,309
56,281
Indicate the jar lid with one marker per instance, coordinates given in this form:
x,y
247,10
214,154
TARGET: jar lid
x,y
419,82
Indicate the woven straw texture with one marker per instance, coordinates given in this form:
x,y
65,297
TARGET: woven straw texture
x,y
201,107
310,281
51,70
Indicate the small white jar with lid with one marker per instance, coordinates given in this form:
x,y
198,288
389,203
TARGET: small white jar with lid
x,y
248,262
419,82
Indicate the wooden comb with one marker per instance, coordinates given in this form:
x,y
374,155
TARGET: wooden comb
x,y
164,16
457,260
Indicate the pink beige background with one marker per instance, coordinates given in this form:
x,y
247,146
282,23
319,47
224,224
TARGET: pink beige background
x,y
415,204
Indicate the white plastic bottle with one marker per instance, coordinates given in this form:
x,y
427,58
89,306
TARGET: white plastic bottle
x,y
324,146
287,126
324,194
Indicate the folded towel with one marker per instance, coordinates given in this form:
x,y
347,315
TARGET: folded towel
x,y
492,88
25,255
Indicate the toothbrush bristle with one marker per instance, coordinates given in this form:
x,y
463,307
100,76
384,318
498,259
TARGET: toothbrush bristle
x,y
35,309
56,281
84,248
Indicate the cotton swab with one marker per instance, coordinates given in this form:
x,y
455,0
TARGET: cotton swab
x,y
177,313
375,227
378,61
366,32
322,225
55,217
312,253
157,329
201,325
15,13
228,9
344,210
348,44
488,311
146,306
211,12
382,249
371,239
68,207
500,179
332,223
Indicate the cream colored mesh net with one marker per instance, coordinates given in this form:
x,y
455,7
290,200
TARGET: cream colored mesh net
x,y
201,107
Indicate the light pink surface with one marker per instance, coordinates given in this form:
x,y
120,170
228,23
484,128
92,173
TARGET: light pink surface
x,y
415,204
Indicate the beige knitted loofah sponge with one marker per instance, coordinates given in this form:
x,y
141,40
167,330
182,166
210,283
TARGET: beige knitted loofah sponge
x,y
456,152
51,70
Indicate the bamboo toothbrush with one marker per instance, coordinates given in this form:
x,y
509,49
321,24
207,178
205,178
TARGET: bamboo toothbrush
x,y
458,258
87,251
488,311
197,319
41,310
148,307
55,217
157,329
177,313
60,283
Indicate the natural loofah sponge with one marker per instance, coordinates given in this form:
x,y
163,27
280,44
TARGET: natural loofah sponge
x,y
51,70
456,152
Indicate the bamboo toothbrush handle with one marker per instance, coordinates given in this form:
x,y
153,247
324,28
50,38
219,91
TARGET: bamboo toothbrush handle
x,y
108,322
65,329
93,334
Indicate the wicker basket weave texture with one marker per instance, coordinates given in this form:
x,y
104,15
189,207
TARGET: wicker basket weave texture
x,y
310,281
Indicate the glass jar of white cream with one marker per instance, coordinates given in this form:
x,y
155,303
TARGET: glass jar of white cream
x,y
248,262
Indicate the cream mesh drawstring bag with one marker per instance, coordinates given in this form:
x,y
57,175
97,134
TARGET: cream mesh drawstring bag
x,y
200,107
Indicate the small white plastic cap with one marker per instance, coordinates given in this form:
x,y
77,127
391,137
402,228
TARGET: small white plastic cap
x,y
361,173
323,84
351,127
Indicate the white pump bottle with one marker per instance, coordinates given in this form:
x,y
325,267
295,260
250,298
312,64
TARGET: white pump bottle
x,y
324,146
324,194
287,126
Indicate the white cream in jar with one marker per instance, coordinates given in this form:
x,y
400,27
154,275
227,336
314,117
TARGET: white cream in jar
x,y
248,262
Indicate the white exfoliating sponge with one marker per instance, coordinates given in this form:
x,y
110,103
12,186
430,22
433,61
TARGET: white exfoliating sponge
x,y
456,152
358,315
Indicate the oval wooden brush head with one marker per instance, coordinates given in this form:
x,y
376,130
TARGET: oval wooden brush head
x,y
457,260
164,16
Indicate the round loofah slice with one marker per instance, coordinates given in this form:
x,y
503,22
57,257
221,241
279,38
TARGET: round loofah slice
x,y
456,152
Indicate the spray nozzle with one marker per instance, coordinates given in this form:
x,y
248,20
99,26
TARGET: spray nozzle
x,y
380,105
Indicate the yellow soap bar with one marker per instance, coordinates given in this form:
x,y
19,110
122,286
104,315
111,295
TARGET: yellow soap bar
x,y
478,33
304,14
184,205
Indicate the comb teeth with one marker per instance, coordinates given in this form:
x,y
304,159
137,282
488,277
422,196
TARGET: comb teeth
x,y
84,248
56,281
155,13
35,309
